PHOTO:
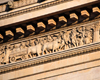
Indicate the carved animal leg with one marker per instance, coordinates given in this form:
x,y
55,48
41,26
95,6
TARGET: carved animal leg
x,y
81,43
53,50
50,51
30,55
69,45
63,47
43,52
39,54
56,50
26,56
77,43
66,46
46,51
74,44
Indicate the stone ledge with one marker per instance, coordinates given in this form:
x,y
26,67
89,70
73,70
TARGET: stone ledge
x,y
51,57
39,11
32,8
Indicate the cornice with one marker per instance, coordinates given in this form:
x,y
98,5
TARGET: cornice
x,y
64,27
33,8
51,57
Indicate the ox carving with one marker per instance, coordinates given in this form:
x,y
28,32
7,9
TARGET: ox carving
x,y
50,43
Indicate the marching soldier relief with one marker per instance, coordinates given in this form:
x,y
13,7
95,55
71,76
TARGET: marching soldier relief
x,y
50,43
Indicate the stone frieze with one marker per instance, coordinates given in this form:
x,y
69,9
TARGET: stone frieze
x,y
47,44
51,57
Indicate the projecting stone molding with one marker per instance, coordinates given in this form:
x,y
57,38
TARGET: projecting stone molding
x,y
22,3
34,27
51,57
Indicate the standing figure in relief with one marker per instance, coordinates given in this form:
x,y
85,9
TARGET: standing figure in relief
x,y
2,55
37,49
8,52
62,35
89,36
54,45
81,35
73,37
48,39
67,39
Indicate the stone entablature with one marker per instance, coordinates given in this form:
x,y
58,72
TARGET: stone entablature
x,y
33,8
34,27
56,44
49,43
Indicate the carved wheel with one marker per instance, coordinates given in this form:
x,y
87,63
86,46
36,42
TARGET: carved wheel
x,y
12,59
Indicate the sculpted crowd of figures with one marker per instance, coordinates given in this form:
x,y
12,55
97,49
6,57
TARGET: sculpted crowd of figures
x,y
46,44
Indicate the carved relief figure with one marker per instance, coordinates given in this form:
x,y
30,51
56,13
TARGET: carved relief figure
x,y
32,42
67,39
81,35
35,49
73,38
47,44
62,46
24,44
52,46
19,52
2,54
8,51
89,35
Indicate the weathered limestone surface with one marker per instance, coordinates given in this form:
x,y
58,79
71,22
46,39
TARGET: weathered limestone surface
x,y
84,67
41,12
68,53
48,43
3,1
